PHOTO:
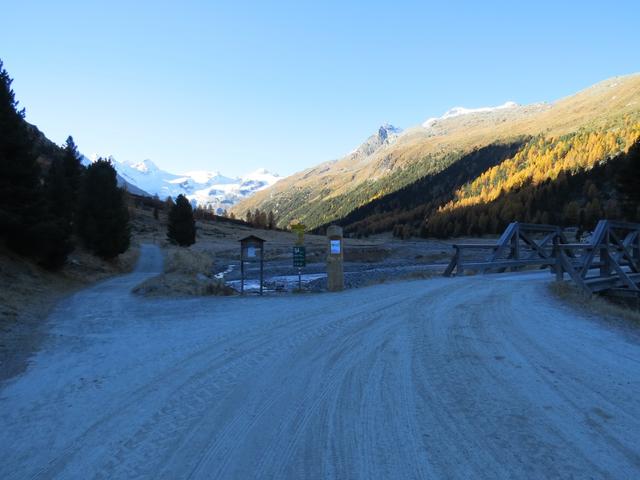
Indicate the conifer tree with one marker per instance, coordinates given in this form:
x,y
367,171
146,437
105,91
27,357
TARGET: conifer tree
x,y
21,199
629,182
182,226
103,218
63,182
26,223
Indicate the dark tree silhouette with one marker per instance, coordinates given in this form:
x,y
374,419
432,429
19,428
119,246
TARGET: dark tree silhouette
x,y
103,218
629,183
63,182
181,226
26,222
21,199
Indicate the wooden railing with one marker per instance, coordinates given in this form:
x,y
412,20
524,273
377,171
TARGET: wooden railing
x,y
609,261
521,245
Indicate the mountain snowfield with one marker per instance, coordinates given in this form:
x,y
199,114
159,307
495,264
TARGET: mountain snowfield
x,y
458,111
202,188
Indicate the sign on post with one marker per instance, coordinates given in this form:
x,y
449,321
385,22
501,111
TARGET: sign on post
x,y
299,256
299,252
335,273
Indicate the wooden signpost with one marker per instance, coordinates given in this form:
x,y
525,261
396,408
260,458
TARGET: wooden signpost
x,y
335,272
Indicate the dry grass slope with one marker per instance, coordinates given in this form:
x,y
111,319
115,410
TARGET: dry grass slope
x,y
595,304
593,107
188,272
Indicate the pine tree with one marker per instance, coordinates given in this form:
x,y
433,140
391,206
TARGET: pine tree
x,y
26,222
103,218
629,181
271,220
572,213
182,227
21,199
63,182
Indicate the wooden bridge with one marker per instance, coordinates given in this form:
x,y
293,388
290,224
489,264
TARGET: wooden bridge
x,y
521,245
609,261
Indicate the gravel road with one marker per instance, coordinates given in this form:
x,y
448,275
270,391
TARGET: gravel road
x,y
477,377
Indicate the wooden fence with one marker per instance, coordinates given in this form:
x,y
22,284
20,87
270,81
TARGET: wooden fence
x,y
610,260
520,245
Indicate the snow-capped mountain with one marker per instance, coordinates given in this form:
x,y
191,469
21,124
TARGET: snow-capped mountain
x,y
203,188
458,111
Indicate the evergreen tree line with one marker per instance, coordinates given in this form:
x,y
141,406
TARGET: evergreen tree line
x,y
404,209
261,219
44,208
181,226
533,181
182,217
579,199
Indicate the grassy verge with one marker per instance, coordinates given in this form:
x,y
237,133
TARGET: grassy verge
x,y
595,304
187,272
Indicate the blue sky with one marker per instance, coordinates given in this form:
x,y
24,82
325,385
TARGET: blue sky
x,y
234,86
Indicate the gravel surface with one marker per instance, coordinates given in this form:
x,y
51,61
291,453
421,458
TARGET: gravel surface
x,y
474,377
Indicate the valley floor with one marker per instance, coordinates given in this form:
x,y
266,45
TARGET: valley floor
x,y
473,377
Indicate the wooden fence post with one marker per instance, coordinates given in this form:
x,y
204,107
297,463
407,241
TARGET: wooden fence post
x,y
558,265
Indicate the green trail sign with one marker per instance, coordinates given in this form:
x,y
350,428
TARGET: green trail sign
x,y
299,256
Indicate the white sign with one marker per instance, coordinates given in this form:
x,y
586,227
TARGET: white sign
x,y
251,252
335,247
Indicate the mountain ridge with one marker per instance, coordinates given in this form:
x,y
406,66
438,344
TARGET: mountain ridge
x,y
203,188
330,190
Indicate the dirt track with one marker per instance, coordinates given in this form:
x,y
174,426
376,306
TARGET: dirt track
x,y
478,377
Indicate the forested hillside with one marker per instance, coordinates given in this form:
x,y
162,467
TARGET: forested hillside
x,y
418,183
571,179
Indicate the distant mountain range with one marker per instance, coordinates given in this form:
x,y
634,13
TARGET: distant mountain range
x,y
423,157
203,188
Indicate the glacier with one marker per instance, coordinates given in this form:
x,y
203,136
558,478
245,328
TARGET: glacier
x,y
203,188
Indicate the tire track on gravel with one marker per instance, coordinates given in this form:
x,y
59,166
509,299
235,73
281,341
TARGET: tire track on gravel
x,y
215,450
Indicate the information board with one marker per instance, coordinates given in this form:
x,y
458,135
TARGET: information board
x,y
299,257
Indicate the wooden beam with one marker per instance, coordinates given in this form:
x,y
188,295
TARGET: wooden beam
x,y
621,273
534,245
453,263
575,276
